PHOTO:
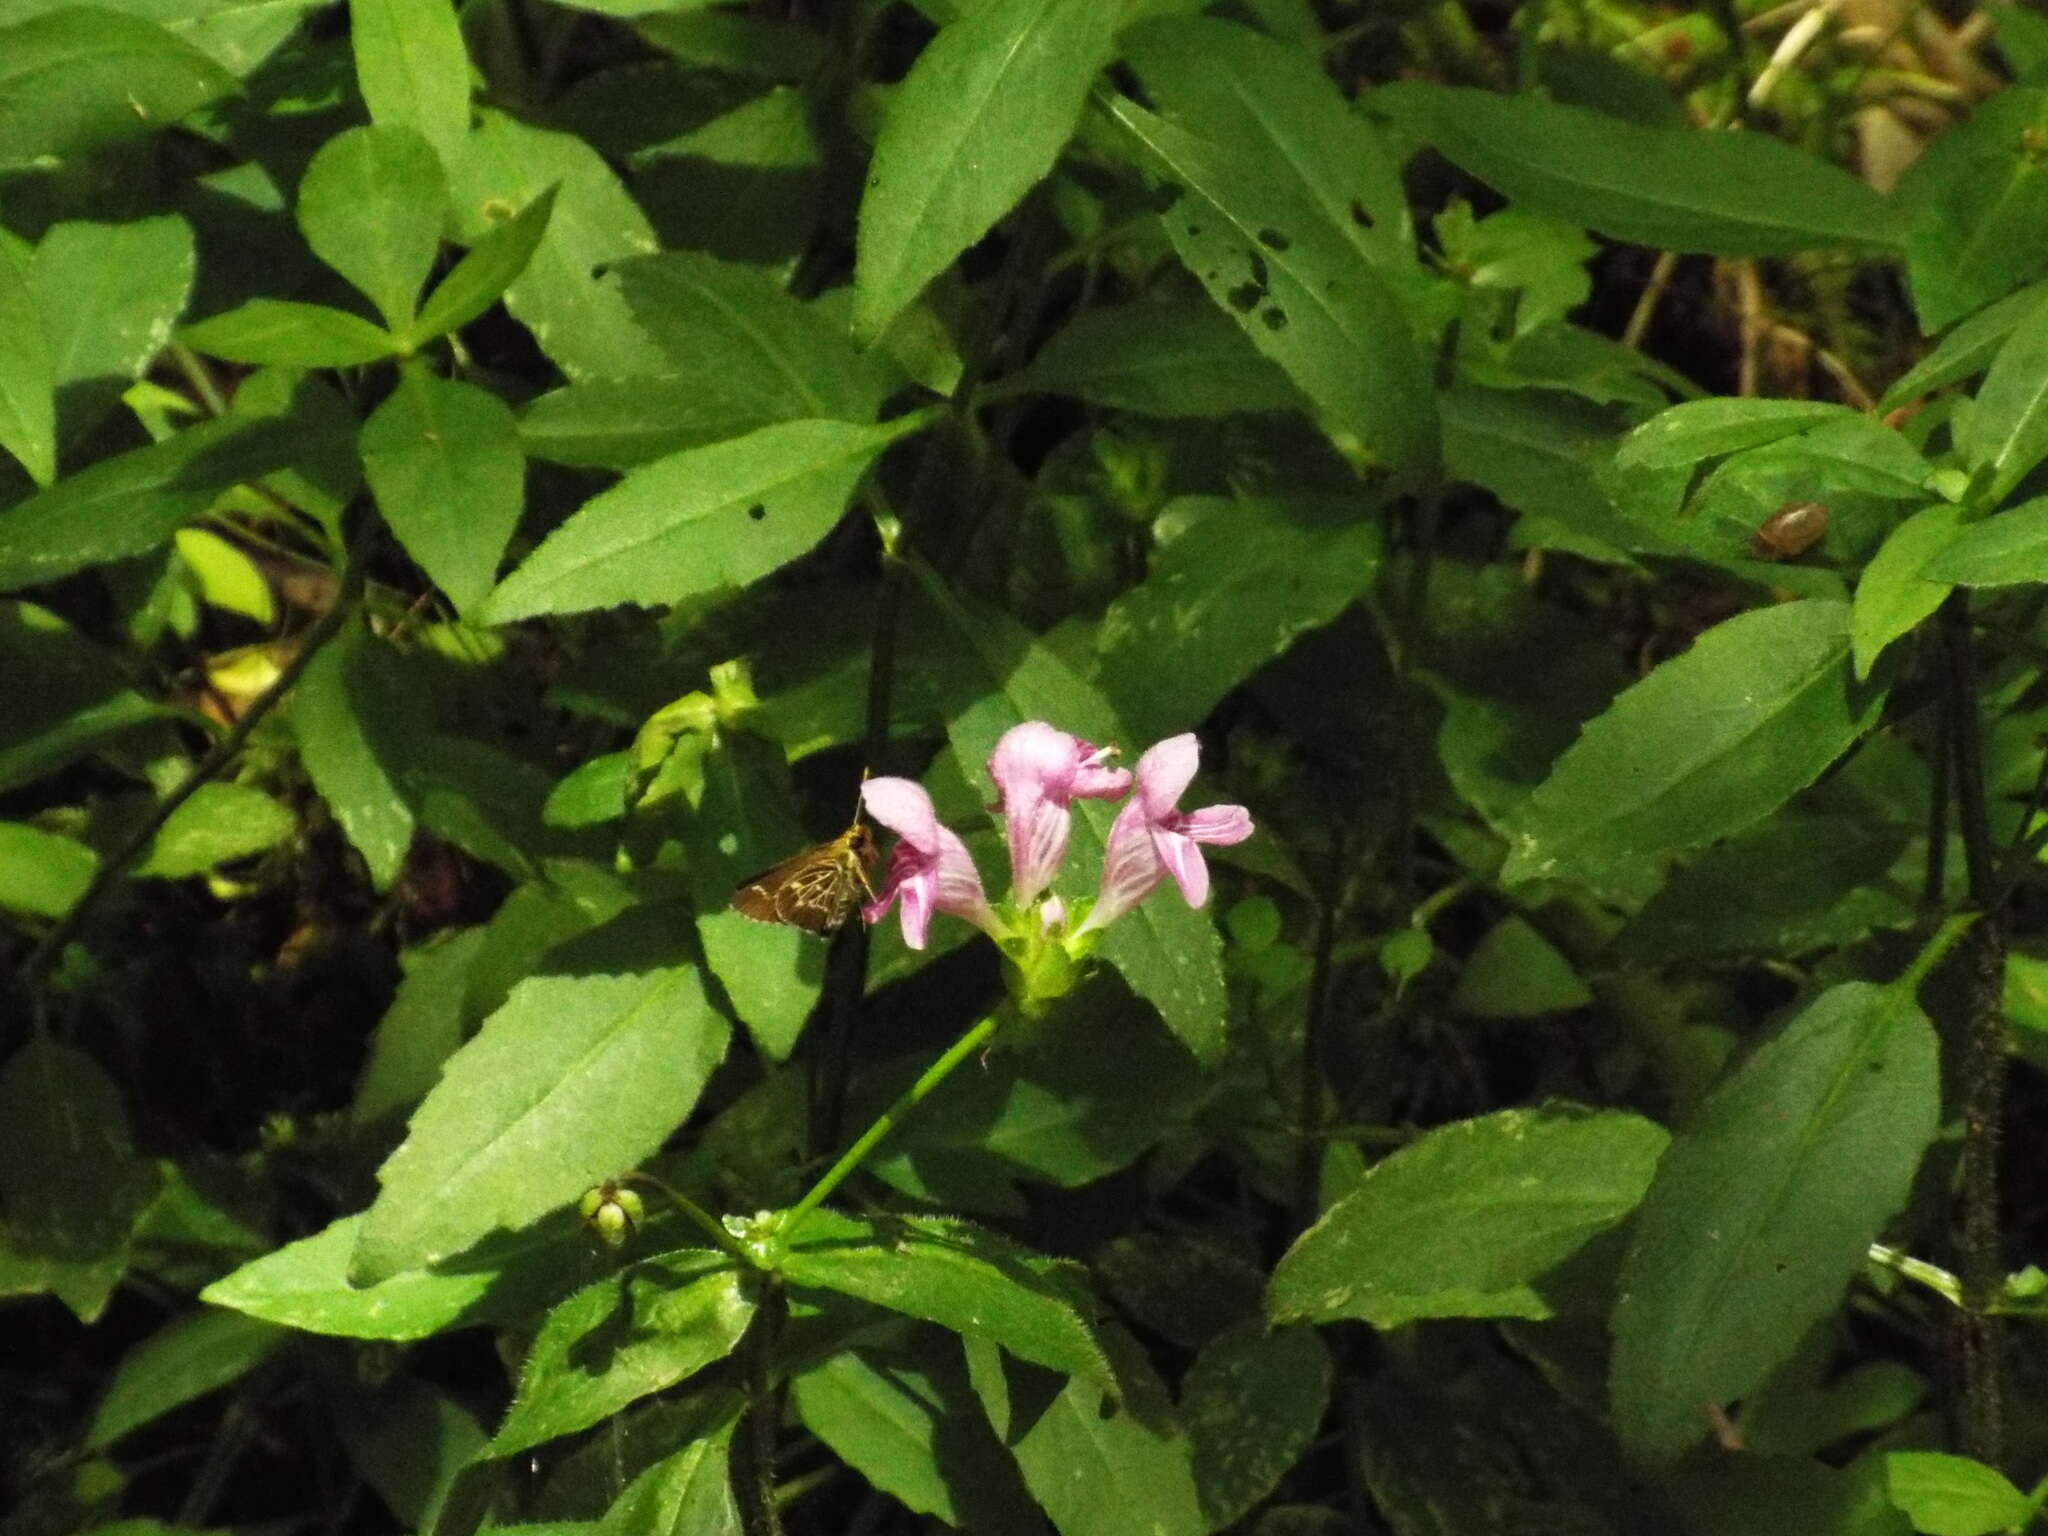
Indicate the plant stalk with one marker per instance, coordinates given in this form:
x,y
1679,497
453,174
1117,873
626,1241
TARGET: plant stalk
x,y
887,1121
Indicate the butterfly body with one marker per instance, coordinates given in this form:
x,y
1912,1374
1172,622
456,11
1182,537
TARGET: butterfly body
x,y
816,890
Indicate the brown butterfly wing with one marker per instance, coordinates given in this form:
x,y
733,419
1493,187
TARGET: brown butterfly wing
x,y
817,890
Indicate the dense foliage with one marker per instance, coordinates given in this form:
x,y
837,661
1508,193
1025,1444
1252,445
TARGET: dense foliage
x,y
1430,624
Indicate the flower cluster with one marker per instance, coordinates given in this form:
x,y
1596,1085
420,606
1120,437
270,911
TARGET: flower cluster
x,y
1039,771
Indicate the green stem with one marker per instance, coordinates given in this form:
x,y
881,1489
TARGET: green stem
x,y
887,1121
709,1224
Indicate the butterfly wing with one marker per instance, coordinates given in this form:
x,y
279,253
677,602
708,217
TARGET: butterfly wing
x,y
817,890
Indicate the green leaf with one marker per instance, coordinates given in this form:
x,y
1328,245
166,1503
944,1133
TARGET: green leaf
x,y
906,1419
1299,289
335,719
1953,1495
1794,1162
191,1356
289,334
614,1342
1167,951
110,293
701,521
74,79
423,1027
228,577
220,822
1708,743
28,403
2003,550
1894,593
1966,350
1251,1403
579,317
444,461
980,118
130,503
1704,429
69,697
959,1276
687,1493
71,1186
1975,198
735,335
1159,359
1792,884
1459,1222
1235,581
582,1073
41,873
1232,85
1516,973
487,269
1110,1469
371,205
2007,433
412,68
305,1285
624,423
1696,190
409,1441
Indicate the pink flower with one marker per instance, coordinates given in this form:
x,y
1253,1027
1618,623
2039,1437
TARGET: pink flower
x,y
1038,772
1153,838
930,869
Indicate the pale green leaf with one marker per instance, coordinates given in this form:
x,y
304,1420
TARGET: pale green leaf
x,y
1459,1222
1793,1163
582,1073
1301,291
74,79
28,408
220,822
335,719
110,293
1678,189
289,334
980,118
701,521
1954,1496
2003,550
618,1340
687,1493
1711,741
486,270
1894,594
2007,433
444,461
41,873
192,1355
959,1276
412,68
371,206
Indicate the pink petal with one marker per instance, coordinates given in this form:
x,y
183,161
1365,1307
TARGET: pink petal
x,y
1218,825
1097,781
1182,857
1130,867
917,907
956,883
1031,760
1038,844
904,808
1165,771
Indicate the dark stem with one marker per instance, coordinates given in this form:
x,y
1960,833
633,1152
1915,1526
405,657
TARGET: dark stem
x,y
1980,1411
209,767
761,1425
1313,1028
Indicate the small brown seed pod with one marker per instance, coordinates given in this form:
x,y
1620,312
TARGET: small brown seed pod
x,y
1792,530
